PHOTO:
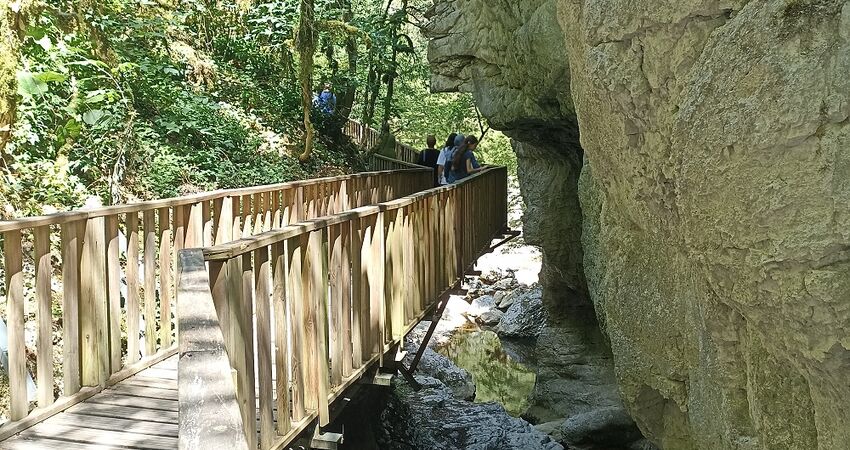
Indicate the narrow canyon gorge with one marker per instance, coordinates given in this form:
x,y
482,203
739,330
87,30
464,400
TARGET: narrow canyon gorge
x,y
686,173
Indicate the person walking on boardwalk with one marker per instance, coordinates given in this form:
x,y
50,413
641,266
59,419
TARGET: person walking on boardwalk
x,y
447,158
327,100
429,156
441,160
464,163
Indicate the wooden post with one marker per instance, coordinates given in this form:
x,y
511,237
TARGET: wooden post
x,y
43,297
281,351
149,256
358,297
262,295
70,308
113,279
317,323
165,271
93,311
296,248
19,404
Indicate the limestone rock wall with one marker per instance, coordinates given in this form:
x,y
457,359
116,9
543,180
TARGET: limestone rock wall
x,y
715,195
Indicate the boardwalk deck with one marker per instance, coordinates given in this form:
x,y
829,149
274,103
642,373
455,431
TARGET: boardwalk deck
x,y
138,413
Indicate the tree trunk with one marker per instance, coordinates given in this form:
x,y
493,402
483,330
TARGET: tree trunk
x,y
306,45
11,29
348,96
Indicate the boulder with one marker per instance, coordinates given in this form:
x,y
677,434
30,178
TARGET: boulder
x,y
490,318
703,210
526,317
442,421
437,366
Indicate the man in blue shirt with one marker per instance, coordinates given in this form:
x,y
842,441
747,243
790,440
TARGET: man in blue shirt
x,y
327,100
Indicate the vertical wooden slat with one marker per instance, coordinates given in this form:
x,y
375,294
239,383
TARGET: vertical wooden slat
x,y
165,272
296,248
318,284
93,309
149,258
336,299
195,226
132,301
376,288
345,287
70,308
281,327
19,404
179,218
113,279
262,294
246,364
43,295
358,282
206,218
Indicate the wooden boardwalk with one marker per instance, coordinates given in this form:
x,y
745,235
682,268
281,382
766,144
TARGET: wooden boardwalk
x,y
326,275
139,413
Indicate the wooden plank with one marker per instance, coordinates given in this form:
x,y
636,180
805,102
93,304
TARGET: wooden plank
x,y
159,383
19,404
262,297
132,303
110,397
317,322
208,400
149,257
165,274
195,227
113,280
70,308
141,391
43,297
93,309
127,412
281,327
114,424
30,443
296,248
85,436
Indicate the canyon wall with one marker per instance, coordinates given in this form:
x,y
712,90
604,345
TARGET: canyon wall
x,y
714,222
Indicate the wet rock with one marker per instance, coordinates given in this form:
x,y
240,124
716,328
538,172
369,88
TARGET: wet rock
x,y
444,422
600,429
505,300
526,317
481,305
490,318
437,366
506,284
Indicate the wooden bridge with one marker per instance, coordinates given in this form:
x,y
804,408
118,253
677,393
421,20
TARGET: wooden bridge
x,y
229,319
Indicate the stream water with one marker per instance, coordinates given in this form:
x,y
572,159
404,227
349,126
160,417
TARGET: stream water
x,y
498,375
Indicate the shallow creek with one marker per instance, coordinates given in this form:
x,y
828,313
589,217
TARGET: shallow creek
x,y
500,376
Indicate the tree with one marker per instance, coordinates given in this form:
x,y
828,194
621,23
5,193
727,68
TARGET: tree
x,y
305,43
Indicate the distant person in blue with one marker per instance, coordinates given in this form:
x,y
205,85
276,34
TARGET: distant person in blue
x,y
327,100
464,163
447,158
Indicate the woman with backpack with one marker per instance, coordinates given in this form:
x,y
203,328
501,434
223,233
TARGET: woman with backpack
x,y
444,163
464,163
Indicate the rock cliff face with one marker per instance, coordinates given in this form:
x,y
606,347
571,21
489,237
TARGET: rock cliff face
x,y
714,220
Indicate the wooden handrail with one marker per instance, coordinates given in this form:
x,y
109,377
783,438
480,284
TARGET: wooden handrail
x,y
342,290
368,137
205,391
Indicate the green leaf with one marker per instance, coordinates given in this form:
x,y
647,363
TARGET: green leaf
x,y
93,116
50,77
29,86
73,128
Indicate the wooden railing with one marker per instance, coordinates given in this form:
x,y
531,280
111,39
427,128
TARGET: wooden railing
x,y
111,271
325,298
368,137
